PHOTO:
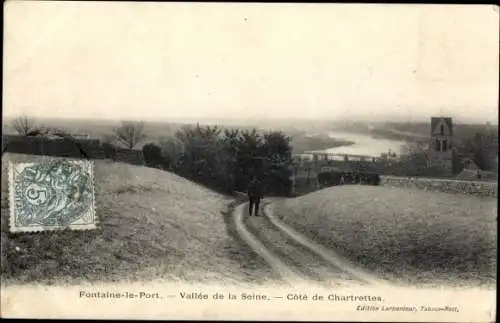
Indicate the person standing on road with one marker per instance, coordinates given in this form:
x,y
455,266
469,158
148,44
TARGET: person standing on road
x,y
255,193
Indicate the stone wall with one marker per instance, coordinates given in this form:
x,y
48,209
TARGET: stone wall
x,y
303,185
66,147
443,185
61,147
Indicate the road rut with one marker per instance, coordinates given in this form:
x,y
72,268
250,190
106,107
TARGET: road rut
x,y
297,259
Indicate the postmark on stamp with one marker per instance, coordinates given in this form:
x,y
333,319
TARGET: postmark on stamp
x,y
52,195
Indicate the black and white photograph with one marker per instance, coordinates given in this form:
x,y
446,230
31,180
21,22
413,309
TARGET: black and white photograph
x,y
271,160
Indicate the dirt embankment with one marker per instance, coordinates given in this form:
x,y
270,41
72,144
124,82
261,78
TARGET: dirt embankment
x,y
153,224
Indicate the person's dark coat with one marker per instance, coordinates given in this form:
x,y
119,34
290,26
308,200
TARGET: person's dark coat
x,y
255,189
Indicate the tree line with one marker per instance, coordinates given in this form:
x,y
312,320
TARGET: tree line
x,y
222,159
225,159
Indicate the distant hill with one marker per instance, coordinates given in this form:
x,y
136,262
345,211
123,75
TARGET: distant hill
x,y
100,129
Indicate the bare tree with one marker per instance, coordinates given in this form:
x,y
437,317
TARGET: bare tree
x,y
130,133
23,125
412,149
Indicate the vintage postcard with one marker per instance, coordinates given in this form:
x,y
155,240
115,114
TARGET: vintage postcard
x,y
261,161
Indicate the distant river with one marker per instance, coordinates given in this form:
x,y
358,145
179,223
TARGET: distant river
x,y
364,144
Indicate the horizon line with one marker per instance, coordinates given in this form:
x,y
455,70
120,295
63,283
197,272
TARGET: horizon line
x,y
383,118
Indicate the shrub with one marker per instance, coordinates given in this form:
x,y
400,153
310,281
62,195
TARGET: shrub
x,y
109,150
152,155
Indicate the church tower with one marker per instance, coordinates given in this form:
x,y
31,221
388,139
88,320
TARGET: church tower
x,y
441,154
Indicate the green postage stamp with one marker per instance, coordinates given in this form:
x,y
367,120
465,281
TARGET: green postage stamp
x,y
52,195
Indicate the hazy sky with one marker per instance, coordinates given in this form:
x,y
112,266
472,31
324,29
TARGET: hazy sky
x,y
174,60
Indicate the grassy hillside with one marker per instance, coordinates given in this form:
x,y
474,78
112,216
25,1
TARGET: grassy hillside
x,y
409,235
153,224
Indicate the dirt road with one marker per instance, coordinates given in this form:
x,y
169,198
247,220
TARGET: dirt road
x,y
297,259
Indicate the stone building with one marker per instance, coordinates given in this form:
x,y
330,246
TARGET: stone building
x,y
440,148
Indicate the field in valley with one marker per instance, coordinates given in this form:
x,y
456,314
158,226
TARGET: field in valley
x,y
153,224
409,236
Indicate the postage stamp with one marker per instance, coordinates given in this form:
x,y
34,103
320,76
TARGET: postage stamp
x,y
52,195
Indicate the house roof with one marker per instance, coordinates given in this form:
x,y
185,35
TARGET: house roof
x,y
468,174
436,120
470,164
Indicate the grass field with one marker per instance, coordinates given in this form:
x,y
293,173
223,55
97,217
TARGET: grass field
x,y
409,236
153,224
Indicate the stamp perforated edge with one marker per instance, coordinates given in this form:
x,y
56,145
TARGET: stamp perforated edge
x,y
13,229
11,197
